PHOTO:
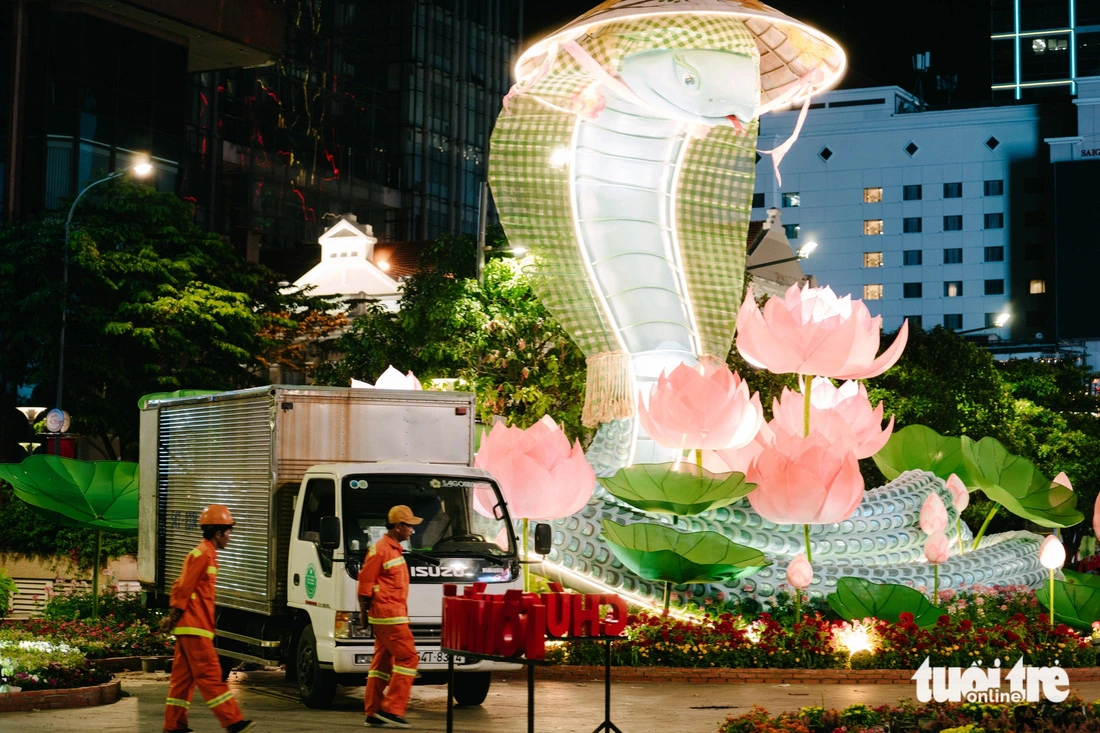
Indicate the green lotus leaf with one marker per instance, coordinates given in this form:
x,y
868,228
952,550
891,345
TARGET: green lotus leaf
x,y
659,553
683,489
917,447
96,494
1076,604
1015,483
856,598
1074,577
173,395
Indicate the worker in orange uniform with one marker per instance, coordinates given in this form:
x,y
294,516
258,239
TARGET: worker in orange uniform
x,y
191,619
383,599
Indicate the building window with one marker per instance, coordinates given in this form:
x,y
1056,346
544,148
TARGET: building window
x,y
954,321
952,223
994,254
994,221
994,287
872,259
1037,286
791,199
911,257
911,225
872,195
994,188
911,290
915,321
953,289
872,292
872,226
791,230
758,201
911,149
1034,219
825,154
953,256
911,193
952,190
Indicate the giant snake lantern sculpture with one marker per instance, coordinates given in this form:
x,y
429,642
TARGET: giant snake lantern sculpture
x,y
624,161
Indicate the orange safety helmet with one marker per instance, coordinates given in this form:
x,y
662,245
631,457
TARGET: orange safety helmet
x,y
216,514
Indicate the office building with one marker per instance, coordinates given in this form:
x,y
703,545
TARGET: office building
x,y
1042,47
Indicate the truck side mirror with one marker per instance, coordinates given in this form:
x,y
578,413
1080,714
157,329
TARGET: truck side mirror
x,y
330,533
543,539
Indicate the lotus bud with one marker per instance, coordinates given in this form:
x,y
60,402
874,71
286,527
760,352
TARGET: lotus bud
x,y
1052,555
799,573
933,515
960,495
937,548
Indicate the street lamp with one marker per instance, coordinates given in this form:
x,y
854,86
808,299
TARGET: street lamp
x,y
999,322
803,252
140,169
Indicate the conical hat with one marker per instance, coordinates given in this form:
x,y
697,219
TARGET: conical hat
x,y
796,60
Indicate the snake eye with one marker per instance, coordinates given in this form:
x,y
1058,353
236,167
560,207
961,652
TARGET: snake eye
x,y
689,80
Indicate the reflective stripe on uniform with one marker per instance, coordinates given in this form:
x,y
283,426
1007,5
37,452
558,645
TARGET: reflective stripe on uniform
x,y
225,697
372,551
377,674
212,570
178,703
404,670
192,631
388,621
394,562
196,553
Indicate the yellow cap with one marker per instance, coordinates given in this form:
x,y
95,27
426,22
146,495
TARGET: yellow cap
x,y
401,514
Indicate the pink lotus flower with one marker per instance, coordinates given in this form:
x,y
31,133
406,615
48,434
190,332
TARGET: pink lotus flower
x,y
540,474
843,414
960,495
805,480
390,379
800,573
933,514
1096,519
739,459
1063,480
811,331
706,406
937,548
1052,555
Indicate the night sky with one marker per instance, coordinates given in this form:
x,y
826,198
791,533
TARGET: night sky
x,y
880,38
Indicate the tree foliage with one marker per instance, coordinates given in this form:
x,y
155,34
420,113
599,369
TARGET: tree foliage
x,y
495,336
153,304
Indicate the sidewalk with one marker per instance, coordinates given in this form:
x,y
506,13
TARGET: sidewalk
x,y
561,707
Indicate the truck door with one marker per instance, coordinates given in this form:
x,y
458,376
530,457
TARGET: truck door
x,y
311,567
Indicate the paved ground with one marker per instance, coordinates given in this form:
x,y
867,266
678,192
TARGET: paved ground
x,y
565,707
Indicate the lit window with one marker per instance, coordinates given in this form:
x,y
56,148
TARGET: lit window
x,y
1039,45
872,292
953,289
872,259
872,226
1038,286
791,230
791,199
872,195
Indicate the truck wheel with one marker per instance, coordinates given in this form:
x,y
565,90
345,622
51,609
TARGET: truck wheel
x,y
316,686
471,688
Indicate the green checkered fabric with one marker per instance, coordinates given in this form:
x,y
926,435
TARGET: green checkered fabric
x,y
713,198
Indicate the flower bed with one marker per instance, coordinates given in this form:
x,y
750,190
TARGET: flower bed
x,y
42,665
96,639
979,625
1071,715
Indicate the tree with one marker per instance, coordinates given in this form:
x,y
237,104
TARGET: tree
x,y
496,336
154,304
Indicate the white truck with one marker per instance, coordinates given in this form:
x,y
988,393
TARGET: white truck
x,y
309,474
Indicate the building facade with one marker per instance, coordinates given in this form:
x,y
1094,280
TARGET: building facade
x,y
1042,47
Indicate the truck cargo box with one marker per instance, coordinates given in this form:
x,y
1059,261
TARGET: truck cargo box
x,y
249,449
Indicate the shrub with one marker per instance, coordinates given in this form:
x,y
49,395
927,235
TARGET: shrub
x,y
7,592
96,639
115,606
862,660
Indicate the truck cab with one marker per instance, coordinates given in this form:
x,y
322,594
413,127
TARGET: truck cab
x,y
340,511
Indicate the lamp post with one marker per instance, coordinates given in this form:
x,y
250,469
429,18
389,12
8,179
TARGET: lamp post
x,y
803,252
141,169
999,322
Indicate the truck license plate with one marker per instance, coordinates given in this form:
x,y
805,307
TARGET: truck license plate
x,y
438,657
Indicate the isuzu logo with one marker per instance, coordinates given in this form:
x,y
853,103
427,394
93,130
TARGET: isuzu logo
x,y
428,571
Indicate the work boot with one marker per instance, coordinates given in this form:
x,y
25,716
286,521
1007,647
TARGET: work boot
x,y
240,726
390,719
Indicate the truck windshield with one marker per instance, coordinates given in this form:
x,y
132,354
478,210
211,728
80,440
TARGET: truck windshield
x,y
446,504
